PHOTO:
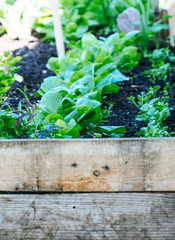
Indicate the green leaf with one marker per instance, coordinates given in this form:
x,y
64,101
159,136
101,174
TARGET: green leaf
x,y
51,101
52,82
72,115
111,88
87,56
91,96
61,123
88,39
117,77
106,79
110,67
132,34
53,64
111,41
76,75
111,129
71,27
159,27
92,118
53,117
84,110
83,85
102,79
68,130
67,103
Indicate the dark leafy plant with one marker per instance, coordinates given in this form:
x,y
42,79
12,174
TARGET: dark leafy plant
x,y
19,123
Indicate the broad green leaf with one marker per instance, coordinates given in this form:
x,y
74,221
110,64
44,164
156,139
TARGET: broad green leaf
x,y
111,41
53,117
51,101
83,85
71,27
87,56
61,123
159,27
82,29
91,96
70,130
110,66
113,77
53,64
72,115
117,77
63,91
52,82
131,34
84,110
67,102
111,88
111,129
131,50
76,75
92,118
88,39
99,78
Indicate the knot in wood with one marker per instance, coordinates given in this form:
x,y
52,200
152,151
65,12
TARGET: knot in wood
x,y
96,173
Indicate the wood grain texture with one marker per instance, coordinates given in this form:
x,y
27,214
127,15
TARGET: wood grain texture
x,y
88,165
98,216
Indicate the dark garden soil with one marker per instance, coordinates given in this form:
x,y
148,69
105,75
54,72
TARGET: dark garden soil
x,y
124,112
33,69
35,55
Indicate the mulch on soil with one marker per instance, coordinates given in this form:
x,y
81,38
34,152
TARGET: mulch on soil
x,y
33,69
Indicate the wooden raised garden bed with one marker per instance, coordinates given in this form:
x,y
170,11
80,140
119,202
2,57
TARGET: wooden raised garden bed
x,y
96,189
89,189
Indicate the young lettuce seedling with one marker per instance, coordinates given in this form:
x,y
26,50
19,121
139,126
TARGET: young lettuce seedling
x,y
153,111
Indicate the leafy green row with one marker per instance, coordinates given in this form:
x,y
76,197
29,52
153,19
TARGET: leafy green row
x,y
160,68
153,111
78,17
72,100
97,16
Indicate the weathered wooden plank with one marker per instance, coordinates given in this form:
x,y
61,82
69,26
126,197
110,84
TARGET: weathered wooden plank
x,y
95,216
88,165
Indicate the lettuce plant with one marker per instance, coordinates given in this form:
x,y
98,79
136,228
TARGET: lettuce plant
x,y
73,98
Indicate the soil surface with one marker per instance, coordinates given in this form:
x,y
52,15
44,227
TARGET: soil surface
x,y
124,112
35,55
33,69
